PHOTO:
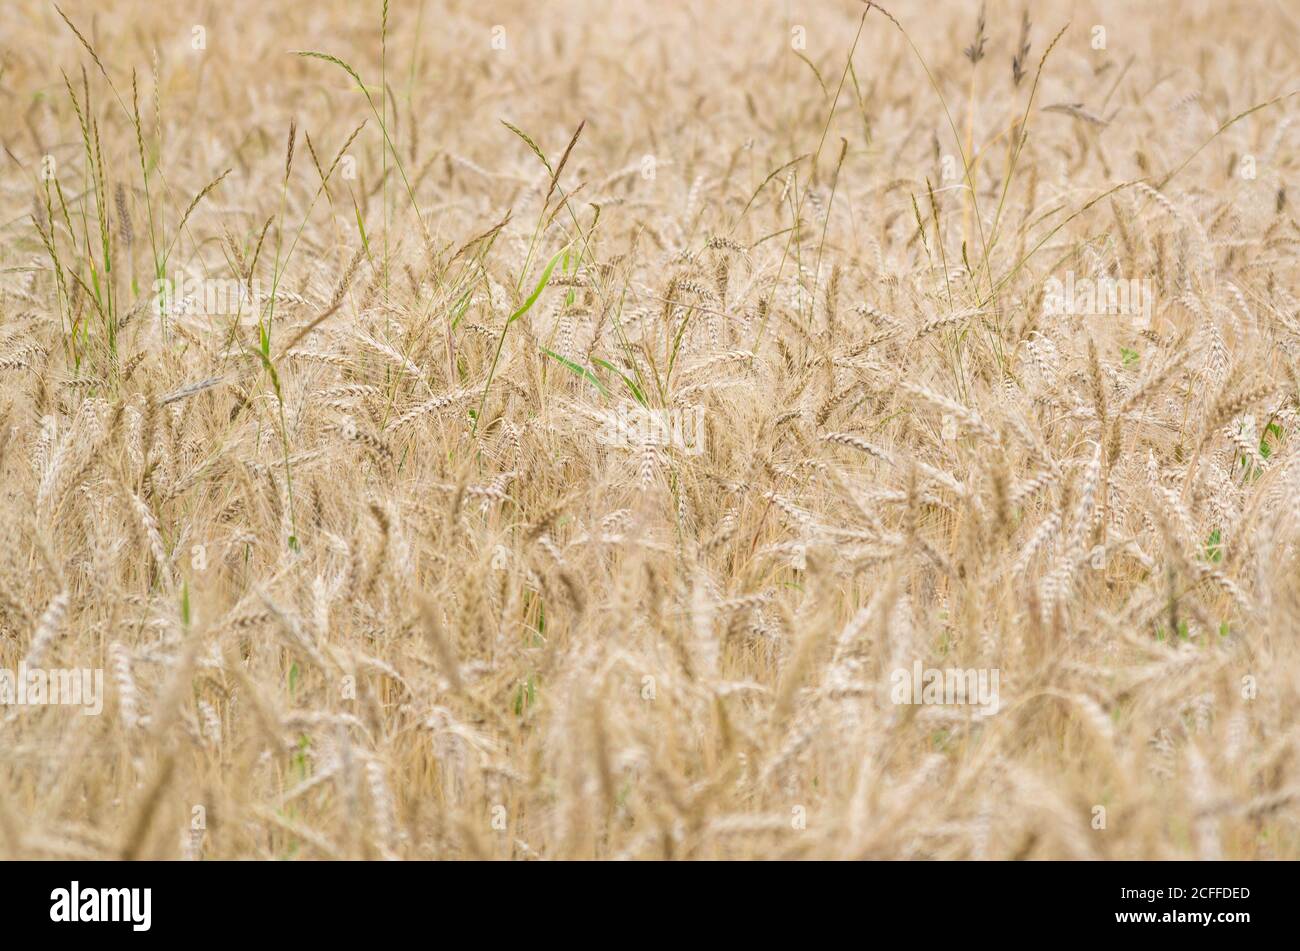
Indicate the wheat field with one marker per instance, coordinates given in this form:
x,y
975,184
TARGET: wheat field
x,y
556,430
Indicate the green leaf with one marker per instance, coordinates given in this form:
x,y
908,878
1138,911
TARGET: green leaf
x,y
1213,546
1274,430
501,342
361,227
631,385
579,370
269,366
541,286
460,309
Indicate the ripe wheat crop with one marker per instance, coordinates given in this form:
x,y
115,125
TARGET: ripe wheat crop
x,y
649,430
